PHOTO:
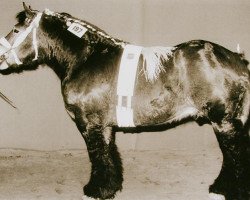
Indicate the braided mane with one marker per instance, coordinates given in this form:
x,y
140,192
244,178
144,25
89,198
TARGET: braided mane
x,y
102,35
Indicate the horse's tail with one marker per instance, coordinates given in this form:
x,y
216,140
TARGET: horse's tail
x,y
247,131
243,58
247,128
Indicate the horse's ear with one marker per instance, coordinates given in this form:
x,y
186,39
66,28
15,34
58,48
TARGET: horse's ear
x,y
27,10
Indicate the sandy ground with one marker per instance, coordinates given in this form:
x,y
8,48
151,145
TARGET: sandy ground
x,y
149,175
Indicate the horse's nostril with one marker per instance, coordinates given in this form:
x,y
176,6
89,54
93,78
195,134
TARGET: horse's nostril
x,y
2,58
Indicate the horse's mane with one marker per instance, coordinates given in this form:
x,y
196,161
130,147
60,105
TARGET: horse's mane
x,y
96,32
93,27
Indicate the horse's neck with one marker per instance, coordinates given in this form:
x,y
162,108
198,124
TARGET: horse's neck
x,y
101,61
102,57
66,53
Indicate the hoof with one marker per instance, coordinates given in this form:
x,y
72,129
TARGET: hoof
x,y
84,197
214,196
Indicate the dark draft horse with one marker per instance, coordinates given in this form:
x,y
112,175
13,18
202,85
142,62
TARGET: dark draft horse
x,y
196,80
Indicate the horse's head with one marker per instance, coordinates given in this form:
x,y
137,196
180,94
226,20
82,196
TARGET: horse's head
x,y
19,48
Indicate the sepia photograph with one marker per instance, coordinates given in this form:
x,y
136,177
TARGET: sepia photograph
x,y
125,100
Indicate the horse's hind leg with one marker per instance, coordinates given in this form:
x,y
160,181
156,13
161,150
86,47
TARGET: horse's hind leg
x,y
106,170
234,179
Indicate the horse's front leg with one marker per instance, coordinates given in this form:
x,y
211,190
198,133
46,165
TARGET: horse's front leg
x,y
106,170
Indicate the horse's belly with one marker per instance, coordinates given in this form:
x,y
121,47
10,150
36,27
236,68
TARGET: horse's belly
x,y
153,110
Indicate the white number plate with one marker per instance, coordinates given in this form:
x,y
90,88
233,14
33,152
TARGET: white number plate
x,y
77,29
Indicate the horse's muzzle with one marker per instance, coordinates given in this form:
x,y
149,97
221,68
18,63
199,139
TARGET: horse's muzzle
x,y
3,63
3,52
3,58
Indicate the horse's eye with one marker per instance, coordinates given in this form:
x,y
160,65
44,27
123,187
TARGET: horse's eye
x,y
15,30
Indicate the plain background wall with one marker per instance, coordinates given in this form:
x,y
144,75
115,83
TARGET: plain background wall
x,y
41,121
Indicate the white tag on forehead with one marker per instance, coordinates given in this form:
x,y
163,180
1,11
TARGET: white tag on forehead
x,y
77,29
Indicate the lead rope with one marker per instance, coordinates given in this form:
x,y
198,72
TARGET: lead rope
x,y
7,100
34,42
